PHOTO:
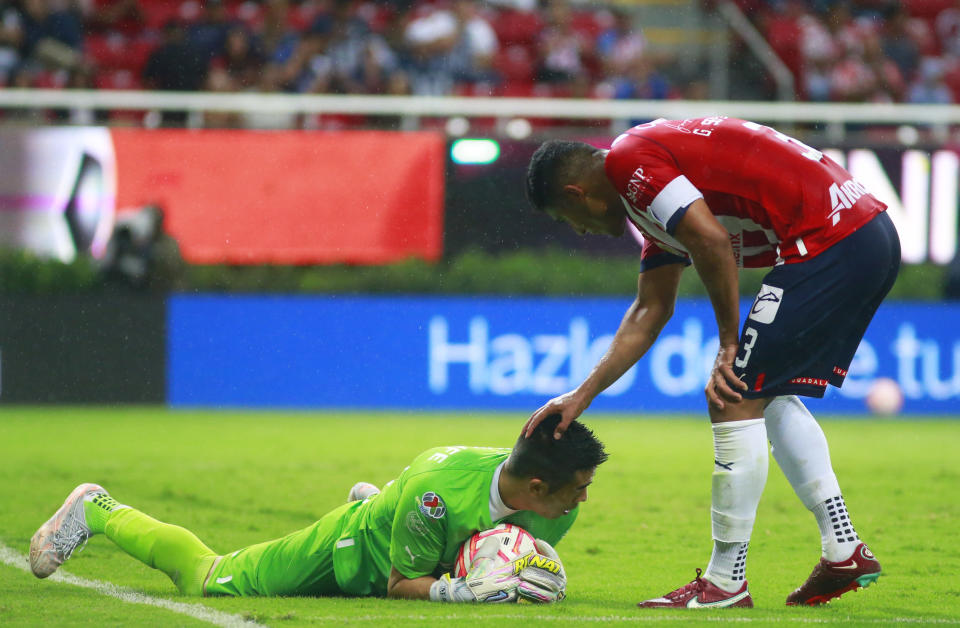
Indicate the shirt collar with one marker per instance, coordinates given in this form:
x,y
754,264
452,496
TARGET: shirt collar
x,y
498,509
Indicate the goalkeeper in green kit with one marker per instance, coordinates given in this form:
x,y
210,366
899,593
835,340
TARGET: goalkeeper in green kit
x,y
401,542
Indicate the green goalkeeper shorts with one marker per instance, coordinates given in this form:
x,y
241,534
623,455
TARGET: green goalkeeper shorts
x,y
300,563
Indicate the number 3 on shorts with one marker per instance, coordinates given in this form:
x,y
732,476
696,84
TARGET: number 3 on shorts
x,y
751,335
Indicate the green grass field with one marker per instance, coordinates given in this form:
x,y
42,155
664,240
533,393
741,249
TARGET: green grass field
x,y
237,478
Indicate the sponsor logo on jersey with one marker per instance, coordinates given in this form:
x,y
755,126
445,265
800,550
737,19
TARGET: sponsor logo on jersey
x,y
736,241
432,505
767,304
639,183
844,196
533,559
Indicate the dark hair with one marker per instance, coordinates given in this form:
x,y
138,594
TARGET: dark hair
x,y
555,460
554,162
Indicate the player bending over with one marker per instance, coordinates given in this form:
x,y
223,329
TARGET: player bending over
x,y
401,542
723,193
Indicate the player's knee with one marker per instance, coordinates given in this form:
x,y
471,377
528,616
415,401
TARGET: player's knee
x,y
742,410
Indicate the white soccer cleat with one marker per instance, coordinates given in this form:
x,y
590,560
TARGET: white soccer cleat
x,y
361,491
63,533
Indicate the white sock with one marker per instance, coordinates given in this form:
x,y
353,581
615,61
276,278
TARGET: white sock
x,y
739,475
837,536
728,565
801,450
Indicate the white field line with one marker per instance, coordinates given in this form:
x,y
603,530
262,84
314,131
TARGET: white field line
x,y
200,612
639,618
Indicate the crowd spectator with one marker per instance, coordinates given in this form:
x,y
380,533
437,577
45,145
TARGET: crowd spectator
x,y
177,64
11,40
621,44
902,41
360,59
564,50
278,38
241,58
431,62
947,25
929,88
208,33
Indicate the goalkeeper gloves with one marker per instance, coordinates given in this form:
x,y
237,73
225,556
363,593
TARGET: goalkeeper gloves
x,y
537,577
487,580
542,577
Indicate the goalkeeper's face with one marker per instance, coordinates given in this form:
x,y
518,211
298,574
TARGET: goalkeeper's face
x,y
557,503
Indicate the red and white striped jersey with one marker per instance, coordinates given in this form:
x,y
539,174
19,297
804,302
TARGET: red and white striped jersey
x,y
780,200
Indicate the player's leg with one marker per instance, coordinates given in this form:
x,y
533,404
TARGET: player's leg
x,y
835,295
740,468
791,343
90,510
172,549
740,465
300,563
800,448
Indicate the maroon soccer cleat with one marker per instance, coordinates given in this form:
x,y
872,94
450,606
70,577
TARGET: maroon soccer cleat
x,y
701,594
830,580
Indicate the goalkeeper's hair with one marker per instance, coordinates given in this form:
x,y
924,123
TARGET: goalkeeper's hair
x,y
554,164
555,461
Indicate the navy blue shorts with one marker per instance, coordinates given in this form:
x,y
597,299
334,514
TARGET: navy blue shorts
x,y
809,317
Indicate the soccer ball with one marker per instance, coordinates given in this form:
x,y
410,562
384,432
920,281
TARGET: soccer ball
x,y
885,397
514,543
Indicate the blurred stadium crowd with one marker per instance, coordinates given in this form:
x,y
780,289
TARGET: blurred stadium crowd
x,y
866,50
515,47
839,50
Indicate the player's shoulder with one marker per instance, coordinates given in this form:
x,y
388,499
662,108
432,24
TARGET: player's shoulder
x,y
458,457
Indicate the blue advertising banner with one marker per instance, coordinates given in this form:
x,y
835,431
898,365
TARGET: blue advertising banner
x,y
501,353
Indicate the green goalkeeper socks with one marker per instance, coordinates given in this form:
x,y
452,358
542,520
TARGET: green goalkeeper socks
x,y
173,550
97,511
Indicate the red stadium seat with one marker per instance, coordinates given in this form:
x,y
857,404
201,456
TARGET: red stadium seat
x,y
585,23
115,52
117,79
515,64
159,12
518,27
927,9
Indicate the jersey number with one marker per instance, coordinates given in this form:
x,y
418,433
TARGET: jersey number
x,y
808,151
751,335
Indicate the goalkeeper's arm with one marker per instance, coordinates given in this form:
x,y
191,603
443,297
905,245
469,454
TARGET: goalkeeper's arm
x,y
399,586
500,586
487,580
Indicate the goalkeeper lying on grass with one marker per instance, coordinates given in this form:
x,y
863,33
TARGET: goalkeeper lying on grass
x,y
401,542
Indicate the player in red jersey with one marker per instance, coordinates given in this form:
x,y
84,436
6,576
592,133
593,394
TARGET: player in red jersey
x,y
723,193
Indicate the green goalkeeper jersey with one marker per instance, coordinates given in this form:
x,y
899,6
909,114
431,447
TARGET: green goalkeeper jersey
x,y
420,520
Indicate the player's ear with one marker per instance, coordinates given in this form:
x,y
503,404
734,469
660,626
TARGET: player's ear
x,y
537,487
574,192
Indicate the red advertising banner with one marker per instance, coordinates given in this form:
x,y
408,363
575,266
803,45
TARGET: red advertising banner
x,y
288,197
